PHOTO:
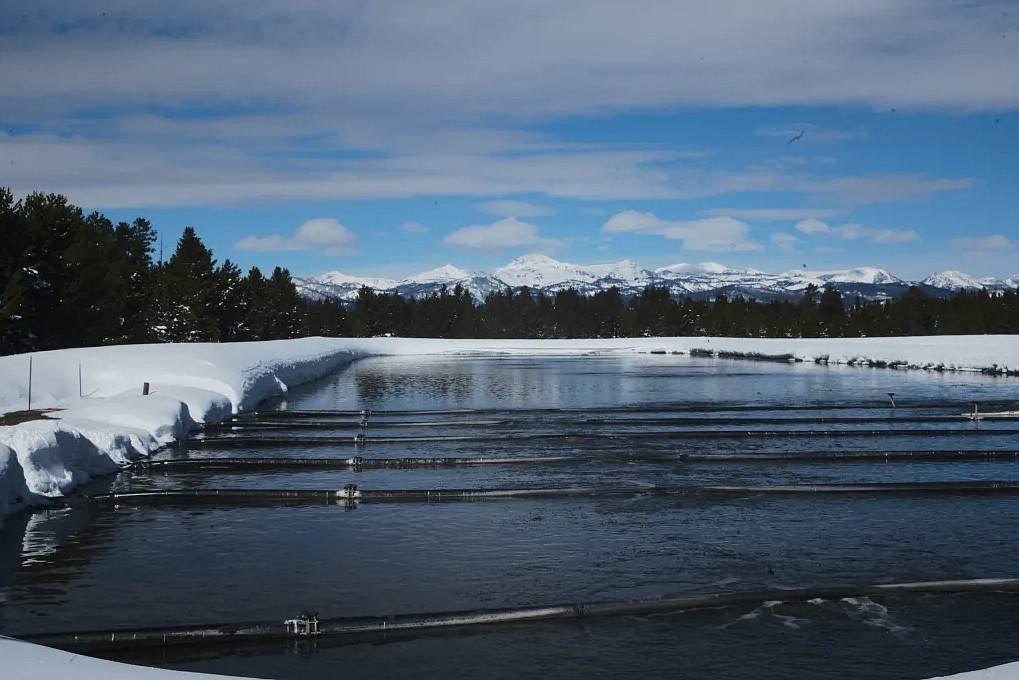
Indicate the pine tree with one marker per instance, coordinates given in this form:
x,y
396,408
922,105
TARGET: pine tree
x,y
187,304
232,303
285,318
832,312
134,243
256,304
15,315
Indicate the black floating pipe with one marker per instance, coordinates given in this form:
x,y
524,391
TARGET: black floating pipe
x,y
853,456
308,625
686,407
356,463
304,442
360,463
351,495
245,425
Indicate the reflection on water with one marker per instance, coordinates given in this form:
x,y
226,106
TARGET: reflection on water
x,y
91,569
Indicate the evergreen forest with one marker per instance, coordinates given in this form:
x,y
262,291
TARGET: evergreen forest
x,y
68,279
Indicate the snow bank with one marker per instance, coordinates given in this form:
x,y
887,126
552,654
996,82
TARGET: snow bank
x,y
242,373
14,493
990,353
112,423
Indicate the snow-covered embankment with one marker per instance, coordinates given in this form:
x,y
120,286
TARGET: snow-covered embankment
x,y
112,422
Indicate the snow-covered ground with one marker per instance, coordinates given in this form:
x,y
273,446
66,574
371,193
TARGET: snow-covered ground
x,y
24,660
104,420
112,422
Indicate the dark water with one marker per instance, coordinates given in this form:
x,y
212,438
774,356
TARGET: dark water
x,y
98,569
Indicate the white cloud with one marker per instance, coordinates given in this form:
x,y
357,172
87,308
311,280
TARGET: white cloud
x,y
783,240
884,188
813,226
982,244
508,232
413,228
717,234
854,232
510,208
323,235
773,213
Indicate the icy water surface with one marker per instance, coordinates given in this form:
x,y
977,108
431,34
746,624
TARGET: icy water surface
x,y
95,568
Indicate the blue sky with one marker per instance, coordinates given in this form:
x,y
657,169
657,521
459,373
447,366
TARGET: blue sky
x,y
386,138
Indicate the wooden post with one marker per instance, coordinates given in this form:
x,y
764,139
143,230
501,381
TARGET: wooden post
x,y
145,389
79,381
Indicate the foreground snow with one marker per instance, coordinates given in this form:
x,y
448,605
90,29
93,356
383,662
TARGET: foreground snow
x,y
24,660
1008,671
105,421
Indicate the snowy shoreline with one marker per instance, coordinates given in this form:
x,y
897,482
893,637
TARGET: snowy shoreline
x,y
112,423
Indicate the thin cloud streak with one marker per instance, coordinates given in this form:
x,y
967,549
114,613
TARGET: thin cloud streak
x,y
712,234
982,244
511,208
773,214
854,232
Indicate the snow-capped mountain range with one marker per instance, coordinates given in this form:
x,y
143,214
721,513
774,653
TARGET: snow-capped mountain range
x,y
707,279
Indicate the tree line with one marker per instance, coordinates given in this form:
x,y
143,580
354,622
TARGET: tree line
x,y
68,279
821,313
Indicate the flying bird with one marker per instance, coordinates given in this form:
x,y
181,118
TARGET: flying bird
x,y
797,136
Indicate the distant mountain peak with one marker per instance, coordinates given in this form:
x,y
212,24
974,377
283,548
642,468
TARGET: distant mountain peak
x,y
871,275
953,279
534,259
339,278
447,273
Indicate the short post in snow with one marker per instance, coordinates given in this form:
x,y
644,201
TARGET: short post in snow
x,y
145,389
